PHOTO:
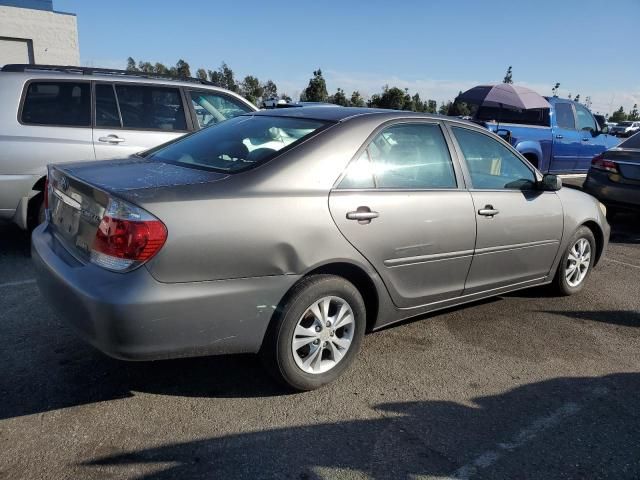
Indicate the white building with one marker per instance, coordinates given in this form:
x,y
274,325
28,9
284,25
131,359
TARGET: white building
x,y
32,32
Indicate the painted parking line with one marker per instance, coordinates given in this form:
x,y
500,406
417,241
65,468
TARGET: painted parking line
x,y
621,262
15,284
524,436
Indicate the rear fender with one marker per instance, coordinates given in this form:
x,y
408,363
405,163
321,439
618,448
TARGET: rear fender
x,y
532,148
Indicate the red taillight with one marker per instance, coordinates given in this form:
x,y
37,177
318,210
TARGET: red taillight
x,y
126,237
602,163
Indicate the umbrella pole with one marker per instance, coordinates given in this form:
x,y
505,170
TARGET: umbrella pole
x,y
499,115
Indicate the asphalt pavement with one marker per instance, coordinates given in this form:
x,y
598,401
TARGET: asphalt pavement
x,y
522,386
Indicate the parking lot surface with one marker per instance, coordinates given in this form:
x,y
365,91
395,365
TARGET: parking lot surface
x,y
526,385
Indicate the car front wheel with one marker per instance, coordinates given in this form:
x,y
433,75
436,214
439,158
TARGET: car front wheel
x,y
577,262
316,334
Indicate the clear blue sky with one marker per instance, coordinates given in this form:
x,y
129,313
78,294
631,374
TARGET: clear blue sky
x,y
435,48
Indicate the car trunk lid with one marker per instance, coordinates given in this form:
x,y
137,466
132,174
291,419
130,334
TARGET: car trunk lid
x,y
78,194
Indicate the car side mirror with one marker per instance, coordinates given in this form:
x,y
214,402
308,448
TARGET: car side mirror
x,y
550,183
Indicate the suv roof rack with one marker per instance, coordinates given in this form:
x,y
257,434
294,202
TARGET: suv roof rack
x,y
25,67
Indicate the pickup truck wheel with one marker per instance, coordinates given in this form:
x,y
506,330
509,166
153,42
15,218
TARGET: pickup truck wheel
x,y
576,263
316,334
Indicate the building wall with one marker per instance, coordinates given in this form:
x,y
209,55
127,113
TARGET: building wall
x,y
38,36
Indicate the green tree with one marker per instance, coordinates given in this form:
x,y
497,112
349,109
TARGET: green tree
x,y
270,90
392,98
146,67
633,114
316,91
508,77
160,69
432,106
201,74
251,89
182,69
339,98
444,108
224,77
131,65
618,116
458,108
418,104
356,99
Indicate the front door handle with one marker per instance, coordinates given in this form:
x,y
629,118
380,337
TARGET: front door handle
x,y
363,215
488,211
560,137
585,139
111,139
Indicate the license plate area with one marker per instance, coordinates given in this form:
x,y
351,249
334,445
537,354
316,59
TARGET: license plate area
x,y
65,214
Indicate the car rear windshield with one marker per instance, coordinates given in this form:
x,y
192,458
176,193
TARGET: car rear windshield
x,y
239,143
633,142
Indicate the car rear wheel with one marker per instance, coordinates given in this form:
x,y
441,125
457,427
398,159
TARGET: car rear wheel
x,y
577,262
316,334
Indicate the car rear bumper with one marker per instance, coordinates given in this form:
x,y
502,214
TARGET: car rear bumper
x,y
611,193
132,316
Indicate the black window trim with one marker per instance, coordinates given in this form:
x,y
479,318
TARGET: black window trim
x,y
463,161
458,173
192,111
23,97
188,120
95,109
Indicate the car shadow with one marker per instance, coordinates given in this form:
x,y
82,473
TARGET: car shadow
x,y
559,428
625,228
623,318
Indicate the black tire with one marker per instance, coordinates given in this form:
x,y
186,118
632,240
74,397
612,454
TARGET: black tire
x,y
560,282
277,352
36,214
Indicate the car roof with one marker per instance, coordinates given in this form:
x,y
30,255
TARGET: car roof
x,y
339,114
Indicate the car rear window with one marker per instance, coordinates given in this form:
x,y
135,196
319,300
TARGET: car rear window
x,y
534,116
632,142
239,143
65,104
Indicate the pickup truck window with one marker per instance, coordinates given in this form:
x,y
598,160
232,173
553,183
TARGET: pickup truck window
x,y
492,166
533,116
564,116
585,119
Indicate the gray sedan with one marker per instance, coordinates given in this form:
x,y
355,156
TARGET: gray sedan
x,y
291,232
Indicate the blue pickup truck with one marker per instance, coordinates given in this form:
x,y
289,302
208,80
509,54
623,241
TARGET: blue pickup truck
x,y
560,139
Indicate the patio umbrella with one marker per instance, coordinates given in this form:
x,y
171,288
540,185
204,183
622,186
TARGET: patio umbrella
x,y
504,95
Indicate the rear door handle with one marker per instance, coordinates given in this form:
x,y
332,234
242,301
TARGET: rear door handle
x,y
111,139
488,211
585,139
560,137
362,215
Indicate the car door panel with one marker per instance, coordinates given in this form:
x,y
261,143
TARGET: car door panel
x,y
517,244
421,243
567,140
519,227
131,118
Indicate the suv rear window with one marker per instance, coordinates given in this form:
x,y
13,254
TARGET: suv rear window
x,y
238,143
57,104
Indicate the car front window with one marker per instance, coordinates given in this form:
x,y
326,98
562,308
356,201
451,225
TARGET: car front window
x,y
238,143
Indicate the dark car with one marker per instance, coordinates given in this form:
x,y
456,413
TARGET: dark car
x,y
614,177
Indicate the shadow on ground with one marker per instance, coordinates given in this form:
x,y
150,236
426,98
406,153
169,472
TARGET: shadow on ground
x,y
562,428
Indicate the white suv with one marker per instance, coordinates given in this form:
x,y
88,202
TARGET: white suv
x,y
53,114
625,129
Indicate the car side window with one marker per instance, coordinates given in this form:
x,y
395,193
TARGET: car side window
x,y
491,164
407,156
359,173
585,119
211,108
564,116
57,104
150,107
107,114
